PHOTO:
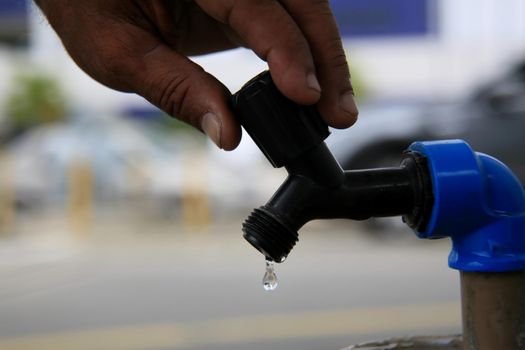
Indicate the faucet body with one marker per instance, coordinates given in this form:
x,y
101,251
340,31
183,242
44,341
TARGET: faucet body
x,y
317,188
441,188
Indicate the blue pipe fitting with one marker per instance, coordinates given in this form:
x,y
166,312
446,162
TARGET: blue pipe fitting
x,y
479,203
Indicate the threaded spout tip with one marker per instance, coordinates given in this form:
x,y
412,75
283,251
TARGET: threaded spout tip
x,y
269,234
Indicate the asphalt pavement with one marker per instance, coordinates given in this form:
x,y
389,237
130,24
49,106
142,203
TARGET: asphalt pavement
x,y
138,285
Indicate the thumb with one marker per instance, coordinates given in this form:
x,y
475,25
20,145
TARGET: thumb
x,y
184,90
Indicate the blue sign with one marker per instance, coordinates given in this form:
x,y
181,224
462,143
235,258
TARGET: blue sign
x,y
365,18
14,17
13,7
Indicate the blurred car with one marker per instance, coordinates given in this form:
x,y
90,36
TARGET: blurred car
x,y
491,120
134,163
115,151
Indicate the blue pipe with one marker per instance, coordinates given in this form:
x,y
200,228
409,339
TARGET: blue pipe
x,y
479,203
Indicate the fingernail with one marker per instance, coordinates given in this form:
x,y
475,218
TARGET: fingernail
x,y
312,82
211,125
347,104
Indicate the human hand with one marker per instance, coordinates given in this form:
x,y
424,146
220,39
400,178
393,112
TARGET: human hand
x,y
142,46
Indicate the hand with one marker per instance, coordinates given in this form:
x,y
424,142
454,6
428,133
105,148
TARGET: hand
x,y
142,46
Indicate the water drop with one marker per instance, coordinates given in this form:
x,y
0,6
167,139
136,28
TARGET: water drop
x,y
270,281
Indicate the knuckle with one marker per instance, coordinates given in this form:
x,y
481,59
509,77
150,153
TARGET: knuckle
x,y
173,92
334,52
170,92
335,57
338,61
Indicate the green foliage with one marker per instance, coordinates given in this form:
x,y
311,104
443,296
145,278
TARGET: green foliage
x,y
175,125
358,83
34,99
178,128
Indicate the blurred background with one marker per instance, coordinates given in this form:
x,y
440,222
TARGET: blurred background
x,y
120,228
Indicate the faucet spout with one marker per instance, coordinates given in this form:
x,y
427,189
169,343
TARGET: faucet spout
x,y
292,136
317,188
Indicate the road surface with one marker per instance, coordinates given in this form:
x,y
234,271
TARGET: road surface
x,y
143,286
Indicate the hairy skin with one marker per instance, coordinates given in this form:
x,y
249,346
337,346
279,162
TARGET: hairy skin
x,y
142,46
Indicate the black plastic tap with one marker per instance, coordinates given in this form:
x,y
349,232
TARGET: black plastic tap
x,y
292,136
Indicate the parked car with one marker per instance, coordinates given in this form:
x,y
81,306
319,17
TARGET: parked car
x,y
491,120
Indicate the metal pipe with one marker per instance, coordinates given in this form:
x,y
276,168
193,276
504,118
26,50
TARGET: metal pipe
x,y
493,309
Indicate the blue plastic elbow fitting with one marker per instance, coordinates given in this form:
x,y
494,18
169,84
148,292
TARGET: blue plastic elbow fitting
x,y
479,203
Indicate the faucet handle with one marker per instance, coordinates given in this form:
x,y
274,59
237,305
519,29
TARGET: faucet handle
x,y
281,128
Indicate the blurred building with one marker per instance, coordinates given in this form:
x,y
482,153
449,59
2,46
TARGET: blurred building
x,y
398,48
429,48
14,23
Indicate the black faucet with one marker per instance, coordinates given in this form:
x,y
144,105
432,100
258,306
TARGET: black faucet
x,y
292,136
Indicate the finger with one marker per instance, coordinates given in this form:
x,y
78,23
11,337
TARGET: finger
x,y
184,90
120,47
318,25
266,27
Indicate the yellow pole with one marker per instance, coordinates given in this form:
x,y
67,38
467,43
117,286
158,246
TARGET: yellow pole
x,y
7,195
196,213
80,196
138,181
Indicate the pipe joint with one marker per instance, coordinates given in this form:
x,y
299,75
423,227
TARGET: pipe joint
x,y
479,203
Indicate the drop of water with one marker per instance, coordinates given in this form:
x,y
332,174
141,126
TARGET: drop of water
x,y
270,281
